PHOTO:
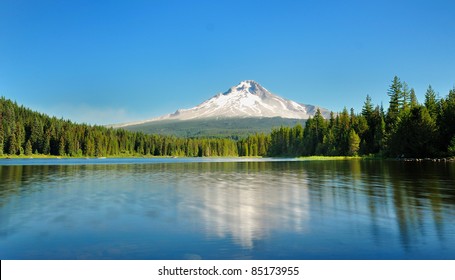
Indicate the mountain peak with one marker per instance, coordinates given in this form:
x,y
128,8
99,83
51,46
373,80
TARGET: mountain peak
x,y
248,86
247,99
248,83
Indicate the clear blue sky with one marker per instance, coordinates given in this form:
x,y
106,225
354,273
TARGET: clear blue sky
x,y
115,61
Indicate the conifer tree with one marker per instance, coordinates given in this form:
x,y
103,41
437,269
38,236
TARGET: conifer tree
x,y
28,148
413,99
446,121
451,147
405,96
431,102
395,93
1,132
367,108
61,147
12,149
354,143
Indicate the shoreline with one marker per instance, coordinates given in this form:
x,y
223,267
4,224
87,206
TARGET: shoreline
x,y
445,159
303,158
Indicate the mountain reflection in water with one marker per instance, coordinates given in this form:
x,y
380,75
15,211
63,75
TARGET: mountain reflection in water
x,y
247,205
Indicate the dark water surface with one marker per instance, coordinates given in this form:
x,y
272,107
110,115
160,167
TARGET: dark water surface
x,y
226,209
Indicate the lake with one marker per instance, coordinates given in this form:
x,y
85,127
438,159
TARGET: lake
x,y
226,209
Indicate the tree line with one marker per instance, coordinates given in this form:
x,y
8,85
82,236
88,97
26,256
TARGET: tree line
x,y
25,132
406,129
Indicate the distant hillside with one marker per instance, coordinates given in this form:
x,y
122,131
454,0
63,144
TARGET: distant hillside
x,y
235,128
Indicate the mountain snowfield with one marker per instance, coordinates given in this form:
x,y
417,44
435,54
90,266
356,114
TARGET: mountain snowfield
x,y
248,99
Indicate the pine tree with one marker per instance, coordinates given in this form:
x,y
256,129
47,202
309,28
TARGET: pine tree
x,y
2,139
313,134
61,147
354,143
12,149
36,134
367,109
431,102
446,122
20,137
329,144
343,128
47,144
451,148
379,131
28,148
395,92
413,99
414,135
405,96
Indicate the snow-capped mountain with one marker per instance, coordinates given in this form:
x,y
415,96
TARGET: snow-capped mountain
x,y
248,99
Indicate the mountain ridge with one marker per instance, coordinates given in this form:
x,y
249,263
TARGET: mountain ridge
x,y
248,99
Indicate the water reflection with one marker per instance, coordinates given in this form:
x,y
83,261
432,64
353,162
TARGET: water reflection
x,y
296,210
246,203
416,198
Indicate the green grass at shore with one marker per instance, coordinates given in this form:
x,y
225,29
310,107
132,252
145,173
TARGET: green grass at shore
x,y
329,158
33,157
40,156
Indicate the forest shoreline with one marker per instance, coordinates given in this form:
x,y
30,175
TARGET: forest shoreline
x,y
408,131
303,158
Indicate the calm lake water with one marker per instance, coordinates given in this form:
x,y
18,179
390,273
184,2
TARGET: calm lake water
x,y
226,209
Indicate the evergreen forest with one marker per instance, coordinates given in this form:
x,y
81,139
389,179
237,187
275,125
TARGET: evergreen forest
x,y
407,129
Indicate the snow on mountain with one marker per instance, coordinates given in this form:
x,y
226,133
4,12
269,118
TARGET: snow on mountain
x,y
247,99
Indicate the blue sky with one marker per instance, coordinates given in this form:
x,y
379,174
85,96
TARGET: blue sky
x,y
116,61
